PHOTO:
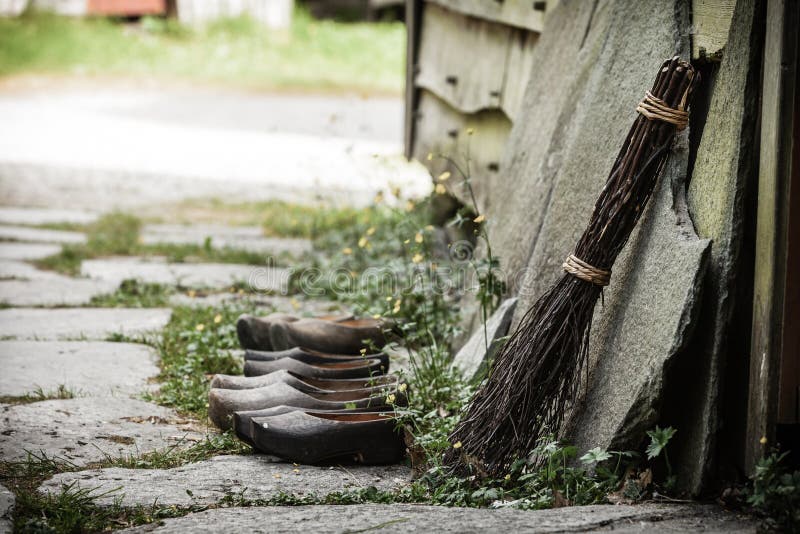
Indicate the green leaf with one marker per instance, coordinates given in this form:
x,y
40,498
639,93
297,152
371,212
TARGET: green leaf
x,y
594,456
659,438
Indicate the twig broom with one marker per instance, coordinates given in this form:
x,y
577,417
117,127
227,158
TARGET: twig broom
x,y
535,378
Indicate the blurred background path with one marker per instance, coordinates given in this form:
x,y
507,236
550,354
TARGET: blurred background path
x,y
112,146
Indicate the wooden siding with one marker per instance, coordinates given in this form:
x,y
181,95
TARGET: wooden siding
x,y
524,14
462,59
441,129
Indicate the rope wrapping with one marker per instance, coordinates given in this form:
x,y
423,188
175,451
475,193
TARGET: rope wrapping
x,y
580,269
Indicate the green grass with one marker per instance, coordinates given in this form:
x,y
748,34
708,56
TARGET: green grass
x,y
38,395
313,55
118,234
196,344
134,294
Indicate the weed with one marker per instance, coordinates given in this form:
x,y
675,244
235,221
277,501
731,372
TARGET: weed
x,y
134,294
38,395
179,454
195,344
776,493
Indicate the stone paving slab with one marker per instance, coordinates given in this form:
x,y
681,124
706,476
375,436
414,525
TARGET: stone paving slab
x,y
27,251
55,291
85,368
20,270
421,518
22,284
254,477
35,216
238,237
186,274
90,429
40,235
80,323
6,507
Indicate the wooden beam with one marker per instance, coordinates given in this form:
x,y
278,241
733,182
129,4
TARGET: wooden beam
x,y
775,170
711,20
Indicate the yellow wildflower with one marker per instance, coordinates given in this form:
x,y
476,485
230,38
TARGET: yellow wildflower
x,y
370,230
217,319
402,387
407,241
417,258
457,445
508,477
200,327
440,189
362,242
376,316
363,351
418,238
390,398
763,440
347,250
444,176
479,219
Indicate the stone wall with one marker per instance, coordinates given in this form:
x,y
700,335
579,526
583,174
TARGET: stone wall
x,y
593,62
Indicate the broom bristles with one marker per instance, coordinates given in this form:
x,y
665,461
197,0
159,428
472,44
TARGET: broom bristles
x,y
533,382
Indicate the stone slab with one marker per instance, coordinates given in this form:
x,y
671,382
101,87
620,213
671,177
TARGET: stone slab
x,y
85,368
52,291
422,518
249,238
80,323
13,269
36,216
22,284
208,275
40,235
472,357
27,251
90,429
253,477
6,508
710,407
648,319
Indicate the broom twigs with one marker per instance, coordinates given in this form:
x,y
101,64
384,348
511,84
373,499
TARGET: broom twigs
x,y
535,379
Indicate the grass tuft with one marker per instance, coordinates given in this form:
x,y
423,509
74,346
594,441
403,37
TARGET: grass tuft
x,y
38,395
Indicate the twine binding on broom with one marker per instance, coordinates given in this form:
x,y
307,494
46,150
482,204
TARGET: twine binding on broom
x,y
656,109
580,269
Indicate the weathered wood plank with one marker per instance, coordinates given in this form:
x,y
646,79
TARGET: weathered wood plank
x,y
712,22
519,70
413,14
769,284
440,129
520,13
462,59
